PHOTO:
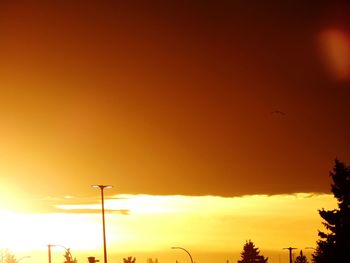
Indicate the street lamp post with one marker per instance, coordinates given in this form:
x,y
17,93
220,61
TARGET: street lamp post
x,y
290,253
49,250
185,251
102,187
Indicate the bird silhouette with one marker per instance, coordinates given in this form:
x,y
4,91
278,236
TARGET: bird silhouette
x,y
278,112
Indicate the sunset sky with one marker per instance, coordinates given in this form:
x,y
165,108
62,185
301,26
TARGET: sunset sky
x,y
215,122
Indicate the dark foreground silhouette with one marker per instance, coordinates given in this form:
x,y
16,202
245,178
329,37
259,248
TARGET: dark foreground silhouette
x,y
334,245
251,254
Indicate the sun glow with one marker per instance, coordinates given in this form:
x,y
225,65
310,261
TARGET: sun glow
x,y
222,219
27,232
146,223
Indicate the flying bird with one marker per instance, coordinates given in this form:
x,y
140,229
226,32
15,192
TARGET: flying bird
x,y
278,112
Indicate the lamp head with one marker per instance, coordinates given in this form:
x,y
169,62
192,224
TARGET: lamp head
x,y
101,186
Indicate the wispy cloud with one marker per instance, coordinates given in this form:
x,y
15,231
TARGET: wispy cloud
x,y
196,221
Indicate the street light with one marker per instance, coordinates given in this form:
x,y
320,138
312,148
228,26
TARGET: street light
x,y
102,187
185,251
290,253
51,245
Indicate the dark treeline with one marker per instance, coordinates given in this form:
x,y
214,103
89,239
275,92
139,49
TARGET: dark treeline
x,y
334,244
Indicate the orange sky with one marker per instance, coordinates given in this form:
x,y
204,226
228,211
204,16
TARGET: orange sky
x,y
170,98
207,98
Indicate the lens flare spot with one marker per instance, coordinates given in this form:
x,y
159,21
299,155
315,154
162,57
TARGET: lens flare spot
x,y
335,53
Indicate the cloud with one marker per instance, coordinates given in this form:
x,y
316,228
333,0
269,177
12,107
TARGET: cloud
x,y
155,222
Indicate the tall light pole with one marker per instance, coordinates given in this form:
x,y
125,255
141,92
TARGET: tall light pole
x,y
49,250
102,187
290,253
185,251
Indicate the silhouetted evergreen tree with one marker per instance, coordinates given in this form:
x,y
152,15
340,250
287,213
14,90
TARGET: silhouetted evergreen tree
x,y
301,258
251,254
129,260
68,257
334,246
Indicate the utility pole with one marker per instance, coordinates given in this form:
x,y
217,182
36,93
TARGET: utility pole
x,y
102,187
290,253
49,252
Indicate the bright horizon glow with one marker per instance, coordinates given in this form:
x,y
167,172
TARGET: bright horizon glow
x,y
156,223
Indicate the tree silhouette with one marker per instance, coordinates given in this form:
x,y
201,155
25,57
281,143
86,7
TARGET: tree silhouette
x,y
301,258
334,246
251,254
129,260
68,257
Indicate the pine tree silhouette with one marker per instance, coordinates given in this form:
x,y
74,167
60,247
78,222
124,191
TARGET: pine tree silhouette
x,y
251,254
334,246
301,258
129,260
68,257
